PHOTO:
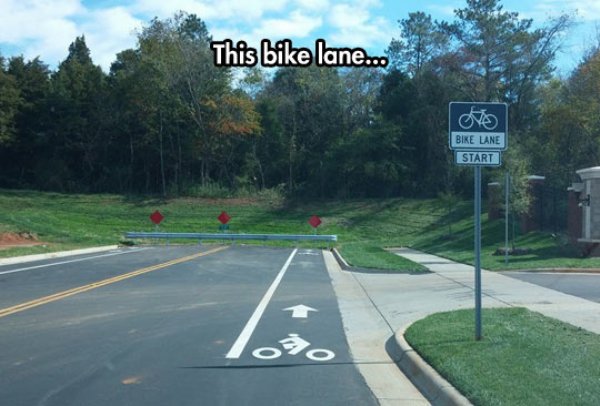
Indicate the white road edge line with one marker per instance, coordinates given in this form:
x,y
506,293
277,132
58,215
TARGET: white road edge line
x,y
71,261
238,347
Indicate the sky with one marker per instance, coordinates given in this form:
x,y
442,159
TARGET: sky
x,y
45,28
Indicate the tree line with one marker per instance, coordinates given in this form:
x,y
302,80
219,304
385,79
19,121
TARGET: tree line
x,y
165,120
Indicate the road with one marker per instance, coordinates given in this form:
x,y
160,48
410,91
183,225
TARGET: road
x,y
175,326
586,286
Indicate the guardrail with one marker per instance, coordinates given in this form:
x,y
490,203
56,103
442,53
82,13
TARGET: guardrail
x,y
234,237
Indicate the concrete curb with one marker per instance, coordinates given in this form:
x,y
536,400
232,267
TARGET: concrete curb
x,y
343,264
431,384
60,254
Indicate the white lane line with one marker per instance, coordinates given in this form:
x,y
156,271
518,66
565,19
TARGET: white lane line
x,y
69,262
238,347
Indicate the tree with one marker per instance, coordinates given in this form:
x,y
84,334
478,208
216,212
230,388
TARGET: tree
x,y
360,88
371,162
310,109
77,113
498,57
10,101
177,50
418,105
27,155
421,41
569,137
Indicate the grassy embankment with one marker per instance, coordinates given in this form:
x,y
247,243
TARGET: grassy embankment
x,y
73,221
364,227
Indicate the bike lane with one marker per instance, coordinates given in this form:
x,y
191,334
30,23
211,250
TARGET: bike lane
x,y
298,352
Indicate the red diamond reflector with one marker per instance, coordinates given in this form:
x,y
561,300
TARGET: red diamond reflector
x,y
224,217
314,221
156,217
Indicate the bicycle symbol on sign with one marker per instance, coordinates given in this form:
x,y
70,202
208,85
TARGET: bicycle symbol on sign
x,y
487,121
295,345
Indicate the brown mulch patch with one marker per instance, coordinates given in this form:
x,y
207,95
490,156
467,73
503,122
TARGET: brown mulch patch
x,y
22,239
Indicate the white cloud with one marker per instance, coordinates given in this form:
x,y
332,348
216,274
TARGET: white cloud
x,y
27,19
297,25
53,46
346,15
356,27
47,27
313,5
210,9
109,32
164,9
42,27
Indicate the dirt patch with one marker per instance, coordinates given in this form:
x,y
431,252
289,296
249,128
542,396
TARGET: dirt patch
x,y
22,239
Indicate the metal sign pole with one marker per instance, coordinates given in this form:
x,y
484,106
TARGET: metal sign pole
x,y
478,133
506,210
478,252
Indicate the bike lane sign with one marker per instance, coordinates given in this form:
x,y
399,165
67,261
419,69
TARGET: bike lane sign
x,y
478,126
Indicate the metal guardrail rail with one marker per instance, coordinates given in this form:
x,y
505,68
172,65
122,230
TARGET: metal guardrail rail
x,y
233,237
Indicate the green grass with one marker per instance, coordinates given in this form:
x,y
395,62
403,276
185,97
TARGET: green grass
x,y
72,221
523,359
364,227
374,256
545,250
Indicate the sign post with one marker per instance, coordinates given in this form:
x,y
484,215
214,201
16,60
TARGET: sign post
x,y
477,252
478,132
506,211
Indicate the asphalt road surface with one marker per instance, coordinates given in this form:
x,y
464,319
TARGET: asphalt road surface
x,y
586,286
175,326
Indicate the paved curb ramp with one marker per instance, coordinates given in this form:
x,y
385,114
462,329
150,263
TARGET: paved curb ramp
x,y
432,385
389,388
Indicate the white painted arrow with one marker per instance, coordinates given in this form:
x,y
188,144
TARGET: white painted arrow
x,y
300,311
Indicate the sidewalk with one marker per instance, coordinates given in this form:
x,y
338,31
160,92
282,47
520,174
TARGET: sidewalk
x,y
499,290
397,301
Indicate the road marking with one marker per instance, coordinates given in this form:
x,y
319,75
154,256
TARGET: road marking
x,y
327,354
238,346
69,262
74,291
300,311
266,353
294,345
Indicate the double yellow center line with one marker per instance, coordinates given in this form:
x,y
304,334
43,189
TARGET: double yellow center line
x,y
74,291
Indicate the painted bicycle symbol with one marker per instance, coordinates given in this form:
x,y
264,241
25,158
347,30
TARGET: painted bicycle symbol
x,y
487,121
294,345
